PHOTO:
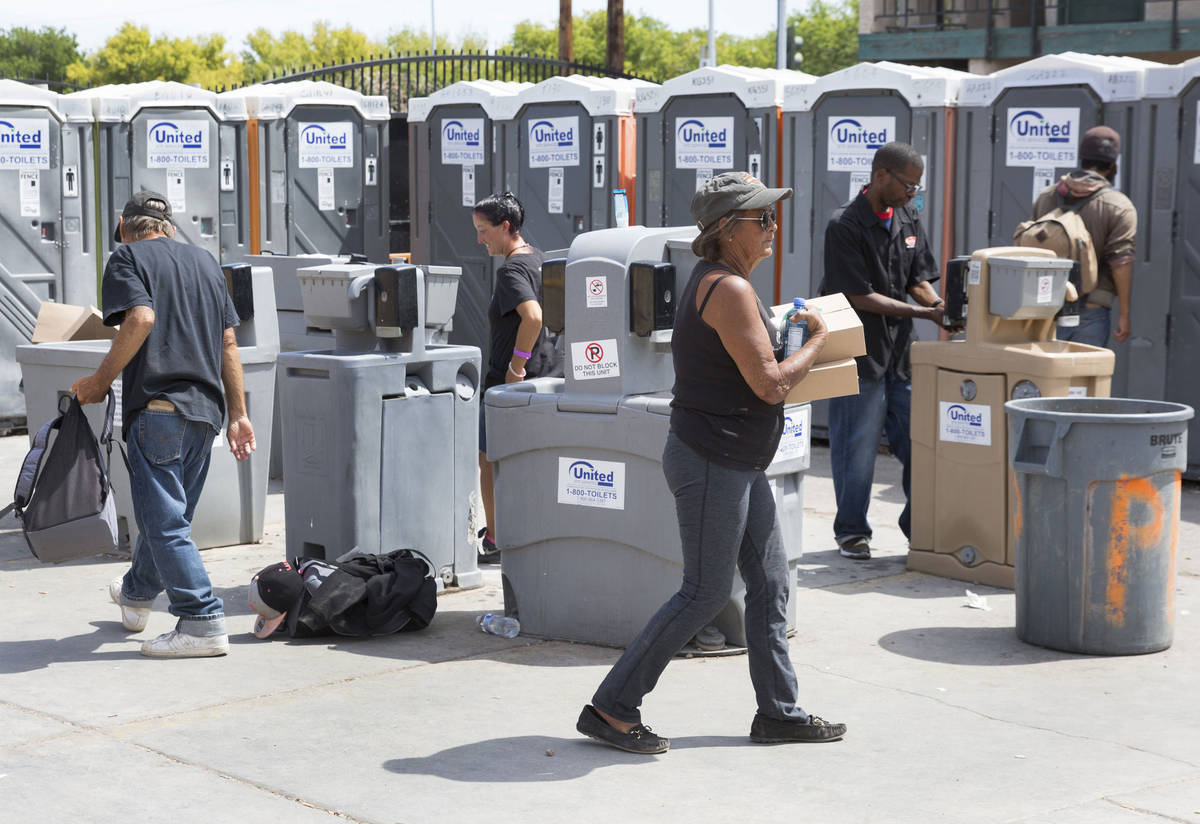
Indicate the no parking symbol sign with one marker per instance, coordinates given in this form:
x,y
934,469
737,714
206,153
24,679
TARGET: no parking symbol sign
x,y
595,359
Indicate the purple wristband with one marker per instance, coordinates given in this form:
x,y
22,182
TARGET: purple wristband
x,y
521,354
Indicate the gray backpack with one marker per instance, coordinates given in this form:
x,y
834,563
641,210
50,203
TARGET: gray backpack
x,y
64,497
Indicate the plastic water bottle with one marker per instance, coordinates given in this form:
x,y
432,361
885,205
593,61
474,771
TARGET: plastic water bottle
x,y
796,330
500,625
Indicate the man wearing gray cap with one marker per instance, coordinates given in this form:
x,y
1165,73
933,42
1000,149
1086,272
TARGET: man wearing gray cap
x,y
178,361
1111,220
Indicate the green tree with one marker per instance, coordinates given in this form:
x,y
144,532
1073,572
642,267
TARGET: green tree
x,y
46,52
412,41
269,53
830,32
131,56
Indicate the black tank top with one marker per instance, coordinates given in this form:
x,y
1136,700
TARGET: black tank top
x,y
714,410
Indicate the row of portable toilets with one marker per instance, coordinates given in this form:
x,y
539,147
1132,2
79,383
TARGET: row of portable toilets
x,y
288,168
990,144
300,168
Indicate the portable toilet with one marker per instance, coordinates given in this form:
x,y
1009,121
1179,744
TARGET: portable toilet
x,y
159,136
234,169
832,128
572,141
317,166
708,121
47,219
1165,343
453,162
1019,132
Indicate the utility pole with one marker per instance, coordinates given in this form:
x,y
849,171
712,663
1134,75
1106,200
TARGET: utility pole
x,y
566,49
709,58
781,36
432,28
616,36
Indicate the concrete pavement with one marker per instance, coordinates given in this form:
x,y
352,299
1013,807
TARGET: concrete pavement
x,y
951,718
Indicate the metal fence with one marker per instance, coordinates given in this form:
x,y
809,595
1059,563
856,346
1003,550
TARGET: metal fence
x,y
401,77
54,84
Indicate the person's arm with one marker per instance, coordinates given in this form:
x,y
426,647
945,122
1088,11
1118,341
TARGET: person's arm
x,y
135,328
239,432
1122,274
732,311
527,335
883,305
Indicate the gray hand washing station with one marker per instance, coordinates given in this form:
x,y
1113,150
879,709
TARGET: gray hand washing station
x,y
584,516
380,433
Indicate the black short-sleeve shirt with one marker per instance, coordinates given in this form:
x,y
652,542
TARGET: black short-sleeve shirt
x,y
862,256
518,279
180,361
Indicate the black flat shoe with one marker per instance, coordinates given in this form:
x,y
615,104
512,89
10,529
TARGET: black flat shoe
x,y
638,740
765,730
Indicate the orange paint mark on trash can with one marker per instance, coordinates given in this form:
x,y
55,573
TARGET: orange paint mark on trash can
x,y
1132,498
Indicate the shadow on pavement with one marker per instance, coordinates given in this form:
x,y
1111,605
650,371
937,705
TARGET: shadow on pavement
x,y
970,646
39,653
527,758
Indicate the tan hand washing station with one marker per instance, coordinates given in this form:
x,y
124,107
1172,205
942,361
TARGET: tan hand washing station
x,y
961,480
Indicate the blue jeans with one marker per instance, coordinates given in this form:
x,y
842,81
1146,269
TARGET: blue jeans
x,y
168,462
1095,322
726,519
856,423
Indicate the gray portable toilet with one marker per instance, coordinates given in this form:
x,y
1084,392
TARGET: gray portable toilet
x,y
711,120
1165,345
831,129
1019,131
571,144
47,219
164,137
316,158
584,516
233,169
454,161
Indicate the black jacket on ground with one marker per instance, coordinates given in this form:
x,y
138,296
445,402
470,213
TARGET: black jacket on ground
x,y
365,596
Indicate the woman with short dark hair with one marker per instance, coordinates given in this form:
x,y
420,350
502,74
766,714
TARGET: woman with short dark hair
x,y
519,349
726,422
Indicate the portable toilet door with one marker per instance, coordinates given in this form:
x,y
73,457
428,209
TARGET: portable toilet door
x,y
563,155
708,121
174,136
329,149
833,128
234,168
454,163
47,231
1182,298
1039,111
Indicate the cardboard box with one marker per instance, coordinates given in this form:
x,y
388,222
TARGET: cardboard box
x,y
62,322
826,380
845,329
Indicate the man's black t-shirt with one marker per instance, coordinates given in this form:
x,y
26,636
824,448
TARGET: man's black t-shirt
x,y
518,279
180,361
862,256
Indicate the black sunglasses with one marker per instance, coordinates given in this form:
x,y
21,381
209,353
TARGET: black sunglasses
x,y
909,188
766,220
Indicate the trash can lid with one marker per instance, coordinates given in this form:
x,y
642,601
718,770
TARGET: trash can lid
x,y
1100,410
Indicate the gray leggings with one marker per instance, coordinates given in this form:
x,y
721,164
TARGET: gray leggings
x,y
726,518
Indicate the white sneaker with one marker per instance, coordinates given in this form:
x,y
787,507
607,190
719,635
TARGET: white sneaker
x,y
175,644
132,618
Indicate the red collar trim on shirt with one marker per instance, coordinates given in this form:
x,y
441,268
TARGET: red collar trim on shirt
x,y
885,215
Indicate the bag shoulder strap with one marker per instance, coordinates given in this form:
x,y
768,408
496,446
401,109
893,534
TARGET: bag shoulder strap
x,y
32,464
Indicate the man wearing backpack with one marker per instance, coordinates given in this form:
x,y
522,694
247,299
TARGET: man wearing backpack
x,y
1111,221
178,361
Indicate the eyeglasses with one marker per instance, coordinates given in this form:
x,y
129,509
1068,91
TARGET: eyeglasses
x,y
909,188
766,220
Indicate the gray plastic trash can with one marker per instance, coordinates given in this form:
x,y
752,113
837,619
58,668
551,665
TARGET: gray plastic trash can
x,y
1095,519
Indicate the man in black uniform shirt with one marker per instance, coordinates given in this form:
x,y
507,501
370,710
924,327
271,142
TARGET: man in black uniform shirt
x,y
877,254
